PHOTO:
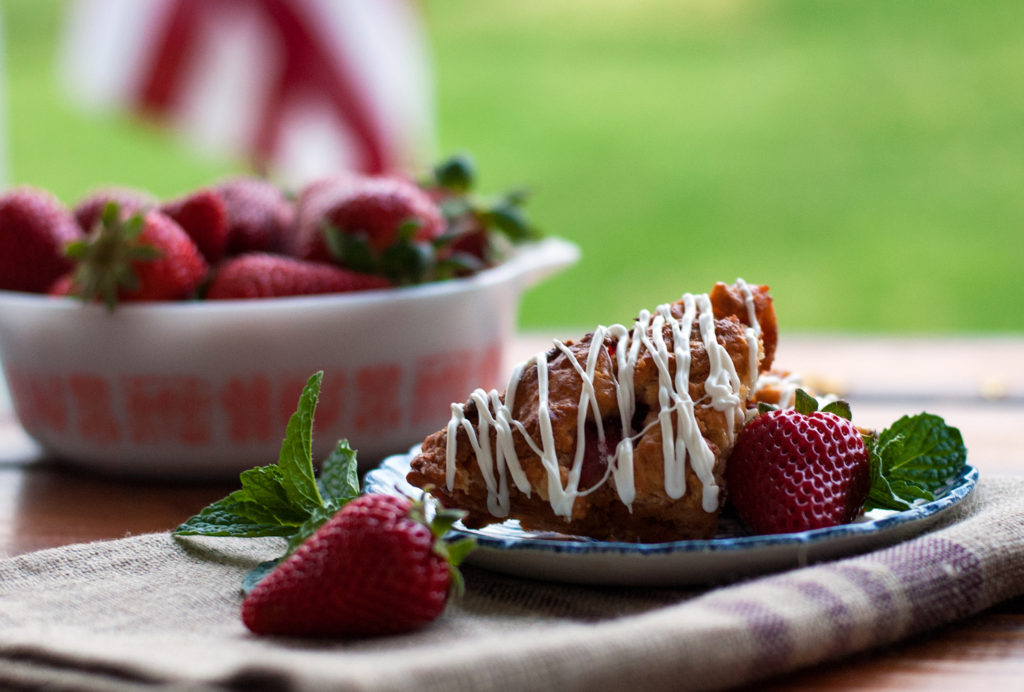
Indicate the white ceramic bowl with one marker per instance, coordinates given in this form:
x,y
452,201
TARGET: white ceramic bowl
x,y
204,390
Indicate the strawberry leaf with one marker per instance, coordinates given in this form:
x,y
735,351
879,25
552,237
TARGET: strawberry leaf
x,y
456,173
459,549
443,521
406,261
805,403
509,218
350,249
839,408
105,259
453,208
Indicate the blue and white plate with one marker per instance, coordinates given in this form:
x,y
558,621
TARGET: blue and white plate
x,y
508,548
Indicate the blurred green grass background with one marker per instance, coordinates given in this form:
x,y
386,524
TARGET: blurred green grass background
x,y
865,159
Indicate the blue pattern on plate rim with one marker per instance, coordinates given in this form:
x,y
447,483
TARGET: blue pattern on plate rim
x,y
389,478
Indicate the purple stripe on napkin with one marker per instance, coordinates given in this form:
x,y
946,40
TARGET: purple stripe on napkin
x,y
770,631
943,579
879,595
835,613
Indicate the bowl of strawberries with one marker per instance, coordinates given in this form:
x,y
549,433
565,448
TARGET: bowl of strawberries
x,y
173,337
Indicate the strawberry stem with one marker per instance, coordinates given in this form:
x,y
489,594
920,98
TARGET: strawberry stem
x,y
104,260
451,551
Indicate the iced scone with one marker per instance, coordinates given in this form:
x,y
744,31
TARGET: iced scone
x,y
621,435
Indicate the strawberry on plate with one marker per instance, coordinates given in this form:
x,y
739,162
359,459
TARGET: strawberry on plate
x,y
265,275
137,257
792,471
376,567
805,468
34,228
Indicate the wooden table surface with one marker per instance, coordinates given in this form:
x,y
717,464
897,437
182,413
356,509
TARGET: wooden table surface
x,y
976,384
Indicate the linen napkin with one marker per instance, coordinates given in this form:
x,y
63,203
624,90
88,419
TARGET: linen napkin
x,y
156,610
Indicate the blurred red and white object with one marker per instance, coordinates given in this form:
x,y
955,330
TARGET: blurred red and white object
x,y
301,88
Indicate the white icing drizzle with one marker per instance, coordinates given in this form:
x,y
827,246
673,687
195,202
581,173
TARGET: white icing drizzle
x,y
681,438
753,331
786,386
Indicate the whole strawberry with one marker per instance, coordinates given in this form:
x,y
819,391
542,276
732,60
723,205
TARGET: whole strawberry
x,y
34,228
311,204
792,471
378,211
136,258
260,217
88,210
203,216
265,275
374,568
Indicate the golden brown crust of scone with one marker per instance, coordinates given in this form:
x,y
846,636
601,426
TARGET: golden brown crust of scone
x,y
600,513
729,300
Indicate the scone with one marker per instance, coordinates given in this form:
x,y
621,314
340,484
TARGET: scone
x,y
621,435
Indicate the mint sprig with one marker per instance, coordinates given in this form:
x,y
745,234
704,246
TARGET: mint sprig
x,y
284,499
912,460
287,499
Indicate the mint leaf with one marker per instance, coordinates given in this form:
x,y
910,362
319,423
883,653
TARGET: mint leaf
x,y
296,458
247,503
222,520
264,486
277,500
313,522
284,499
895,495
238,514
339,474
338,484
256,574
913,459
924,450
